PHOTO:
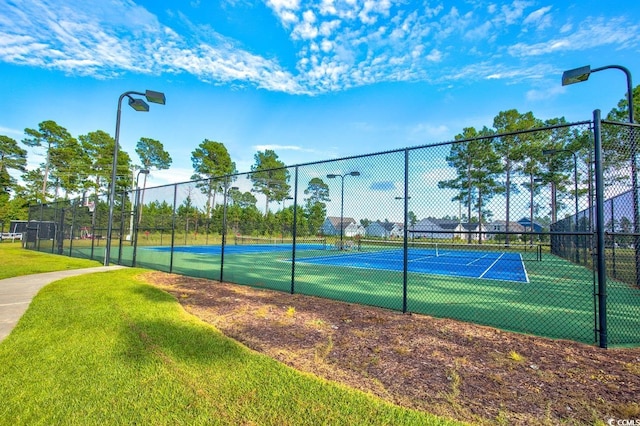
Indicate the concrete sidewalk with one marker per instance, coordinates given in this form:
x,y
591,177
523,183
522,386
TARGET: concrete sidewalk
x,y
16,293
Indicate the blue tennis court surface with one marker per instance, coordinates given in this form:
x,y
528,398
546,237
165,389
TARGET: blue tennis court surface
x,y
489,265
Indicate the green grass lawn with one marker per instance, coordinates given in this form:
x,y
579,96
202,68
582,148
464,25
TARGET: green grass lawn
x,y
107,348
17,261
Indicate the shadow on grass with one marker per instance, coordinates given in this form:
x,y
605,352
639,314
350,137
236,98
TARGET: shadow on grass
x,y
169,340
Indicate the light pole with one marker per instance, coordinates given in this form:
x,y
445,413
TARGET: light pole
x,y
548,152
139,105
553,198
283,202
332,176
224,226
136,224
284,223
134,209
578,75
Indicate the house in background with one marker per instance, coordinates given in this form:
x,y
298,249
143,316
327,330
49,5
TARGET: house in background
x,y
447,229
354,229
497,228
385,230
477,231
526,223
434,228
350,228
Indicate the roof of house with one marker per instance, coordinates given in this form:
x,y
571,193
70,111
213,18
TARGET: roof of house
x,y
445,223
335,221
513,226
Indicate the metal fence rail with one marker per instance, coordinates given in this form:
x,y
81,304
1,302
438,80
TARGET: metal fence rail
x,y
509,230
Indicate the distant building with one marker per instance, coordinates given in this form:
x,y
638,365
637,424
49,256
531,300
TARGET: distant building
x,y
499,227
446,229
527,225
331,226
385,230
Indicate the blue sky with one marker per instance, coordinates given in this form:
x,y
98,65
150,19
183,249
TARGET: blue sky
x,y
312,80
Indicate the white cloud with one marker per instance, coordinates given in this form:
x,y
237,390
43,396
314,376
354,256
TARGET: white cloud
x,y
616,32
540,18
479,32
434,56
566,28
307,28
285,10
9,131
165,177
327,28
338,44
549,92
513,12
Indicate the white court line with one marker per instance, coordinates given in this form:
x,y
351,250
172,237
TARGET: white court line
x,y
475,260
526,276
418,259
491,266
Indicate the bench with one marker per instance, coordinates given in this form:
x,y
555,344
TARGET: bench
x,y
11,236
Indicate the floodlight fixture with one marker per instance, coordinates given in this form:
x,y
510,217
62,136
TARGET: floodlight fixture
x,y
155,97
138,104
576,75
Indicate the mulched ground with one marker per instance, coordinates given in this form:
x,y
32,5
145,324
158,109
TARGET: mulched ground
x,y
463,371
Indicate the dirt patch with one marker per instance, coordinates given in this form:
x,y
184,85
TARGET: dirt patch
x,y
464,371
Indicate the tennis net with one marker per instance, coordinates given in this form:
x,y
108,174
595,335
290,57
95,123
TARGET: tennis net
x,y
439,249
309,242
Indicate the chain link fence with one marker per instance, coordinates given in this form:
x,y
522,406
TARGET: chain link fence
x,y
531,231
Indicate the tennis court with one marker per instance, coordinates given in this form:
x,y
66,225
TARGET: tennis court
x,y
493,262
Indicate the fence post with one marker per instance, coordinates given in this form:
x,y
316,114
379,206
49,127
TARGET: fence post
x,y
38,226
173,226
405,245
223,238
136,225
600,228
294,232
73,226
124,193
613,238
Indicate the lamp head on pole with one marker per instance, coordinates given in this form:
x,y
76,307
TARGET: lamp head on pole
x,y
155,97
576,75
355,173
331,176
547,152
138,104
